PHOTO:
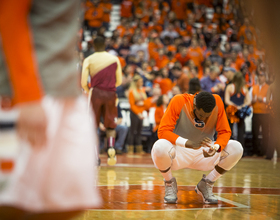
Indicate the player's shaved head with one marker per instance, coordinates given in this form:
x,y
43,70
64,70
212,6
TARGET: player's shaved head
x,y
206,101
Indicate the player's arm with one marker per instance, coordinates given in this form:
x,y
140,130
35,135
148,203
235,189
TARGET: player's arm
x,y
247,100
85,74
227,95
169,120
19,51
222,126
22,69
118,73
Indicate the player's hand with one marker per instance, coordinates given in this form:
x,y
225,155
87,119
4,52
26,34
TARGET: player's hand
x,y
207,142
192,144
32,124
211,151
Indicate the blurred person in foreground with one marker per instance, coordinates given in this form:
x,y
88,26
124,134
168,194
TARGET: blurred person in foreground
x,y
273,143
105,72
186,140
267,21
55,171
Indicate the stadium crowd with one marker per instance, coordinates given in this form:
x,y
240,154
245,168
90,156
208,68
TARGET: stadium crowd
x,y
168,47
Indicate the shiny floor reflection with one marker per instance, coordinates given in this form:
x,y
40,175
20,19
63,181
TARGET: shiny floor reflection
x,y
134,190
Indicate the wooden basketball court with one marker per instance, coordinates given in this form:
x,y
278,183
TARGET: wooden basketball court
x,y
134,189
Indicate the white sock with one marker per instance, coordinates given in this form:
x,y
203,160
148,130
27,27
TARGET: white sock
x,y
213,175
167,176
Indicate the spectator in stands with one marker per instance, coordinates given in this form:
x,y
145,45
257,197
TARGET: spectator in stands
x,y
139,45
260,114
182,56
161,106
226,78
107,7
211,83
194,86
126,8
182,79
195,53
127,76
170,32
161,59
227,51
245,29
94,16
163,81
124,48
137,97
179,7
175,91
237,96
216,55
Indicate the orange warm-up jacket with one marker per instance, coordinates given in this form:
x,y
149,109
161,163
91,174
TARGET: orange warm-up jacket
x,y
179,114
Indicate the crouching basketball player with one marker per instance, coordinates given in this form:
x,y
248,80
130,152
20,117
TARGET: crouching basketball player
x,y
186,140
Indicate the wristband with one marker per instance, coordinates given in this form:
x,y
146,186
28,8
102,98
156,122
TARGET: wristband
x,y
215,147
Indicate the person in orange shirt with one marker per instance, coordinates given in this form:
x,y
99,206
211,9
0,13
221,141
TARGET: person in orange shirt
x,y
182,79
246,27
107,7
163,7
153,47
143,12
161,59
121,27
164,82
126,8
155,24
186,140
250,39
183,56
260,114
228,15
138,103
94,16
223,26
195,53
217,15
179,7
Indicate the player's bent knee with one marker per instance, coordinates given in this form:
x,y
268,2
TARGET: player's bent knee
x,y
233,153
237,148
161,148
